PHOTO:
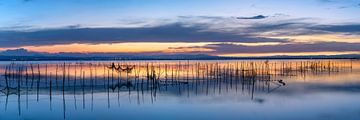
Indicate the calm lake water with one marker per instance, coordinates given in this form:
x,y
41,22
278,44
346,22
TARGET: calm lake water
x,y
219,90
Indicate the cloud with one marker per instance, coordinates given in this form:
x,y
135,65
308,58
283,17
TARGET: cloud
x,y
16,27
278,24
226,48
167,33
301,26
342,4
281,28
349,28
253,17
183,29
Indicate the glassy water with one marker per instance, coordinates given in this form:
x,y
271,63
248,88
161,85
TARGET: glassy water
x,y
226,89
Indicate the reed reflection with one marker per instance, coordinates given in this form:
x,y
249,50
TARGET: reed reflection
x,y
82,84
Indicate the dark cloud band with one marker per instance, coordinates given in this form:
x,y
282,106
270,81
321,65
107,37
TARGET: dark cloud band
x,y
166,33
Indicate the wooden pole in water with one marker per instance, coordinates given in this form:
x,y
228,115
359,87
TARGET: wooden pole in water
x,y
26,76
91,78
6,69
104,75
38,66
112,76
166,77
56,75
68,73
83,88
50,89
18,91
172,75
63,92
32,75
96,73
46,77
187,71
38,84
63,77
75,77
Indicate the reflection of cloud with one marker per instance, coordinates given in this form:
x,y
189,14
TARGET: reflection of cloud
x,y
297,89
344,88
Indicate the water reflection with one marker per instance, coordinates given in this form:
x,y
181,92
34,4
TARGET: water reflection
x,y
65,87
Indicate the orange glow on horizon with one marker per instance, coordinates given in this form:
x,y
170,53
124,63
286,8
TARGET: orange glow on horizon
x,y
167,47
137,47
287,54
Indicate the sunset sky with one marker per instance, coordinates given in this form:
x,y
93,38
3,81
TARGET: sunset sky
x,y
213,27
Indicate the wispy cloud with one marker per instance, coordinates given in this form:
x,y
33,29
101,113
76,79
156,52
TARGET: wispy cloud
x,y
286,48
253,17
342,4
348,28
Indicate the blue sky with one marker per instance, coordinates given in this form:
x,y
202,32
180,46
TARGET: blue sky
x,y
46,13
216,27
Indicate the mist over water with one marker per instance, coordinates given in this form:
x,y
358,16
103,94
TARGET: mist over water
x,y
224,89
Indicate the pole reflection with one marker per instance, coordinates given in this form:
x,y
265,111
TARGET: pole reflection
x,y
142,82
